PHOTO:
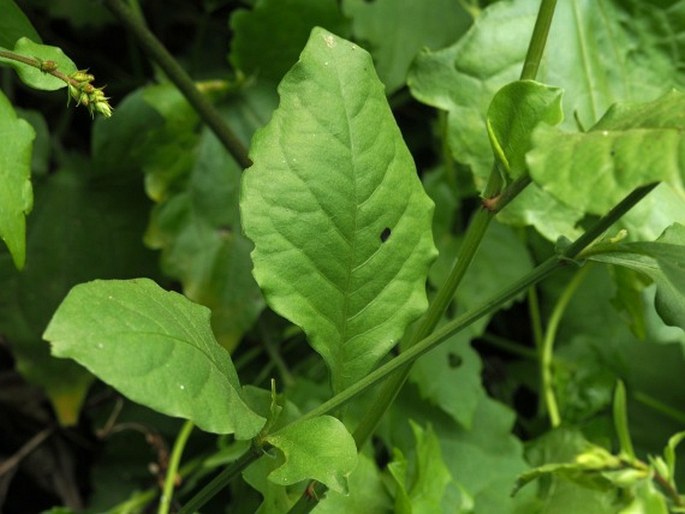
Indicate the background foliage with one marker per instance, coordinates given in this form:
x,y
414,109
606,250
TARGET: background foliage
x,y
152,193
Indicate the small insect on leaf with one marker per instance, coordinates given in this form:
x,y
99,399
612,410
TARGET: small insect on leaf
x,y
385,234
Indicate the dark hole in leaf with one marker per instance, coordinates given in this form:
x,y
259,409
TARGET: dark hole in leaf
x,y
454,360
385,234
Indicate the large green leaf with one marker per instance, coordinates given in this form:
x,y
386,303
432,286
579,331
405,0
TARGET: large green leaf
x,y
340,222
632,145
319,449
157,348
663,261
268,39
16,194
395,31
14,24
34,77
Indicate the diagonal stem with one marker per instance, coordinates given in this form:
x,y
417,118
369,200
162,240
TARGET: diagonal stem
x,y
156,51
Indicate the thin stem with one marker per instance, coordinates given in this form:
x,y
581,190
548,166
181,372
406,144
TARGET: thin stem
x,y
221,480
156,51
547,353
659,406
538,40
48,67
512,347
172,469
535,317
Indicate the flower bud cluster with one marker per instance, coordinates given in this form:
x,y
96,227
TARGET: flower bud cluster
x,y
81,90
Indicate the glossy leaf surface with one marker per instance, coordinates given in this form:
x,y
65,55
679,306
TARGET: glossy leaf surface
x,y
157,348
340,221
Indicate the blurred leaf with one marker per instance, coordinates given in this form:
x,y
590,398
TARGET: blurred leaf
x,y
318,448
632,145
156,347
81,14
395,30
34,77
16,193
79,230
268,39
340,222
14,24
514,112
421,486
195,182
40,156
662,260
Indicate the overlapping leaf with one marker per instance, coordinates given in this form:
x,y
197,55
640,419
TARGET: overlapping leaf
x,y
16,194
195,184
663,261
632,145
395,30
627,53
157,348
340,222
268,39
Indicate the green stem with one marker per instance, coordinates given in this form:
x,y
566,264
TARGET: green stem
x,y
659,406
156,51
535,318
172,469
221,480
539,273
386,395
547,351
538,40
430,342
512,347
48,67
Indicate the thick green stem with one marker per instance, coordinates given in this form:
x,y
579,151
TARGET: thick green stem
x,y
547,350
172,469
538,40
156,51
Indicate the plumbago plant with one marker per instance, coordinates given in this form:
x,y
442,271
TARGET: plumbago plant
x,y
546,231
